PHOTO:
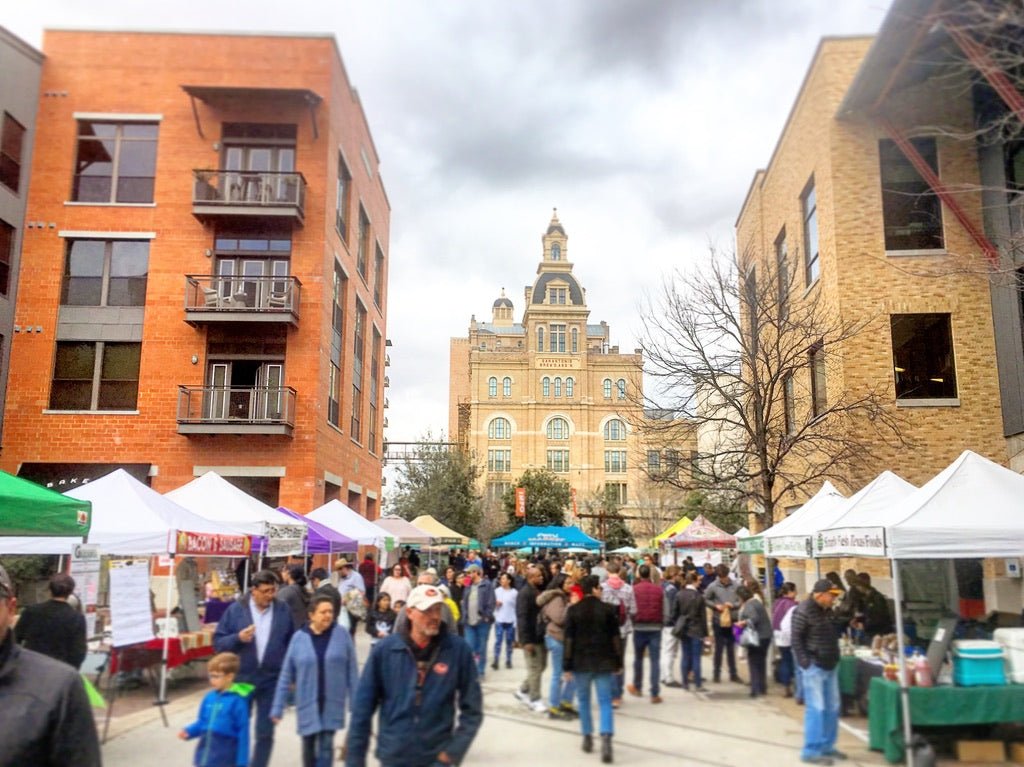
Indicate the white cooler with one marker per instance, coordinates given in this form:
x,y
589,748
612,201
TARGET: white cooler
x,y
1012,642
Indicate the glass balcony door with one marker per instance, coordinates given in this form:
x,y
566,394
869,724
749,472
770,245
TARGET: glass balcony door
x,y
248,390
253,170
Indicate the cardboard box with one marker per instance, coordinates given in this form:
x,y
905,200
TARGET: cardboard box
x,y
1017,753
980,751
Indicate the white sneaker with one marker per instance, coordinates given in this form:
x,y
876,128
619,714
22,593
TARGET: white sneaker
x,y
522,697
539,706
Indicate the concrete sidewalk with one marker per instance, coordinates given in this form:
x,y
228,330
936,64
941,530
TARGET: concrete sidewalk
x,y
721,728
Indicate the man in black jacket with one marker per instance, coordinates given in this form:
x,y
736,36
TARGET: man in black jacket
x,y
816,649
531,638
45,718
690,623
54,628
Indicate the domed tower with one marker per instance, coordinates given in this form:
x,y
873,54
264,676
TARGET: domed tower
x,y
501,311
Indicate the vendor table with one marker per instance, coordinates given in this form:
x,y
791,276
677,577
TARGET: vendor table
x,y
848,675
936,706
855,674
182,649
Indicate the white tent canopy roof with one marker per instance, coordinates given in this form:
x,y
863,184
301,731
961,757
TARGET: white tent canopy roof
x,y
213,497
128,518
972,508
792,536
403,530
873,505
341,518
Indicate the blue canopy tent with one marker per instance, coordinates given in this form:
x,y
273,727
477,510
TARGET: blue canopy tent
x,y
549,537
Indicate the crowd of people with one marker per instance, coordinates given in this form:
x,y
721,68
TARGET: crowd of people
x,y
289,640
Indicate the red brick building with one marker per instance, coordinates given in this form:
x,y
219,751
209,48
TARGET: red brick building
x,y
204,269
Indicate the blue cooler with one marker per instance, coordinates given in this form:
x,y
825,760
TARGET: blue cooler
x,y
978,662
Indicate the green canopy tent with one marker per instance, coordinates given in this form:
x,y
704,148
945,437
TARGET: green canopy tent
x,y
28,509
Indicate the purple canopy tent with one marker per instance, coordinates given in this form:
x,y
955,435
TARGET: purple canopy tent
x,y
321,539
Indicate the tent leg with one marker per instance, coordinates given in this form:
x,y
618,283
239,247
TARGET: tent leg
x,y
897,590
243,586
162,700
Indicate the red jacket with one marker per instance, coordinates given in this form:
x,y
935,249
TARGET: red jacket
x,y
650,603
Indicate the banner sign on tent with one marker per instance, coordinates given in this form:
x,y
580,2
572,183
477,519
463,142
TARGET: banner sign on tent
x,y
789,546
851,541
753,544
284,540
520,501
131,619
212,545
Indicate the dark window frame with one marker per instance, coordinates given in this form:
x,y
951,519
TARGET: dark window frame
x,y
12,152
106,278
121,143
923,357
98,378
809,216
912,218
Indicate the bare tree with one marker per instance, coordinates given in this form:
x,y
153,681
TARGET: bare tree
x,y
729,351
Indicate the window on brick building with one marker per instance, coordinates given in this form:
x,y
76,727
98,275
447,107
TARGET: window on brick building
x,y
506,387
558,428
615,461
558,461
782,274
95,375
575,335
653,462
540,339
545,387
358,352
492,387
363,245
371,430
620,387
558,386
499,460
6,255
615,430
115,162
809,209
789,404
499,428
570,387
923,362
12,144
816,364
606,388
334,396
616,493
557,342
911,211
378,277
342,198
105,273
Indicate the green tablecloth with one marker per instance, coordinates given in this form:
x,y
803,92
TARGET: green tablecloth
x,y
931,706
848,675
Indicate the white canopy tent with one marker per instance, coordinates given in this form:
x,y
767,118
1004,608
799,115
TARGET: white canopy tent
x,y
870,507
404,531
340,517
792,536
213,497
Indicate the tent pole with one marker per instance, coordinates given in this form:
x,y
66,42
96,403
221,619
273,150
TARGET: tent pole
x,y
897,590
167,638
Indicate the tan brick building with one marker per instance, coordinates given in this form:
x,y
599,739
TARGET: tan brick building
x,y
204,272
873,197
550,391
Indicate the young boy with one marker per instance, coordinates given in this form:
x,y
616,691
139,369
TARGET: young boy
x,y
223,723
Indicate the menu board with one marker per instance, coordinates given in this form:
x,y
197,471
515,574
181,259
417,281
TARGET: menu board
x,y
131,617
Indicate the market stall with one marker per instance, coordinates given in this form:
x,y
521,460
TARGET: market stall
x,y
320,539
36,520
792,536
675,528
340,518
406,532
971,509
702,534
441,534
547,537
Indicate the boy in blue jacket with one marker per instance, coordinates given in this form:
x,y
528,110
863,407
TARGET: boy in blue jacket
x,y
223,723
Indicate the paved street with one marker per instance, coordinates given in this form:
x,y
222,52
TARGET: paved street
x,y
723,728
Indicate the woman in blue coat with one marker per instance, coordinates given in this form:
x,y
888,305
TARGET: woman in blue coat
x,y
321,651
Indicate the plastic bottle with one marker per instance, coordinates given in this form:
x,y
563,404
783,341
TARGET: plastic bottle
x,y
922,671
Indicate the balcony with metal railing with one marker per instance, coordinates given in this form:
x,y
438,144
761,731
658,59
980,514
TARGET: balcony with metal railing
x,y
219,194
214,298
236,410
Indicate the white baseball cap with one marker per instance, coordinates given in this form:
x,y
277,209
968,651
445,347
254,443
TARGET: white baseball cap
x,y
424,597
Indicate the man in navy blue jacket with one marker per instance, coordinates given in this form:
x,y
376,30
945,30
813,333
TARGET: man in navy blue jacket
x,y
258,628
477,609
417,677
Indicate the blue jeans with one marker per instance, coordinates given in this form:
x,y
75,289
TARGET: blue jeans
x,y
318,749
650,641
561,691
785,671
477,638
821,711
508,632
693,650
603,683
261,699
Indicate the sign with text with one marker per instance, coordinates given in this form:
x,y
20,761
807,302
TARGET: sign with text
x,y
753,544
212,545
520,501
851,541
798,546
131,615
85,569
284,540
557,363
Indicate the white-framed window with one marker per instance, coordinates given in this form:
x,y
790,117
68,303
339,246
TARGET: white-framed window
x,y
556,295
616,492
574,334
620,387
545,387
506,387
557,342
558,461
558,428
570,386
540,339
809,207
615,461
615,430
492,387
499,459
499,428
653,461
606,388
558,386
556,252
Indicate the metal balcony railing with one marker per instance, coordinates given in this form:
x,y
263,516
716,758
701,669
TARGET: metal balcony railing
x,y
236,410
248,192
245,295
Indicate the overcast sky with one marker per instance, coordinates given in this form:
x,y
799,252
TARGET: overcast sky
x,y
642,121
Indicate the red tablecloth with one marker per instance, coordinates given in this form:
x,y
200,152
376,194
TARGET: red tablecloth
x,y
146,654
